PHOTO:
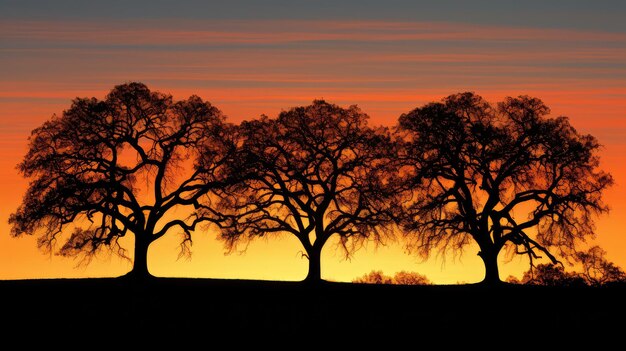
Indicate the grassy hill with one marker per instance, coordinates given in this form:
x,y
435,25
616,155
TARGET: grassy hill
x,y
237,310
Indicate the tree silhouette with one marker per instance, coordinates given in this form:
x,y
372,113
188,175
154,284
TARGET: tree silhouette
x,y
552,275
400,278
504,176
313,172
121,165
374,277
597,270
410,278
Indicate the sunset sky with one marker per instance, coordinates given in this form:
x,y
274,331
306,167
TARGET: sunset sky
x,y
260,57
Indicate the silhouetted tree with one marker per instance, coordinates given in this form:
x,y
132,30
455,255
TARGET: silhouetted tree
x,y
498,176
511,279
313,172
597,270
121,165
400,278
410,278
374,277
551,275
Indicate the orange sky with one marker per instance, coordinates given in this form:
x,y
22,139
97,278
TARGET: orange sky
x,y
252,67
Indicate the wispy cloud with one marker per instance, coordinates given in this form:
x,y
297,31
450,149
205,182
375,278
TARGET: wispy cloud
x,y
386,66
145,32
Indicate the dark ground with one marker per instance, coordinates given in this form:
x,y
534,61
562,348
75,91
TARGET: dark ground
x,y
105,310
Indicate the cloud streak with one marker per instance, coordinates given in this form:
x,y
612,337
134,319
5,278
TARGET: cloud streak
x,y
262,66
169,32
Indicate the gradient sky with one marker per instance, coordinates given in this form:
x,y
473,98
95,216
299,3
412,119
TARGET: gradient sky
x,y
260,57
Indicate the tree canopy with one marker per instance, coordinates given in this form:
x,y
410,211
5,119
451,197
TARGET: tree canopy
x,y
499,176
400,278
107,168
313,172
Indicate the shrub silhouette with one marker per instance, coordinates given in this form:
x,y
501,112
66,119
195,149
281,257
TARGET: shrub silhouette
x,y
596,271
400,278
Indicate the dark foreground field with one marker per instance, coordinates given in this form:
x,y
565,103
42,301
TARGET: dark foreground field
x,y
237,311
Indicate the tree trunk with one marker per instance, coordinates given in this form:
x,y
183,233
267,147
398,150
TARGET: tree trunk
x,y
140,261
314,275
490,259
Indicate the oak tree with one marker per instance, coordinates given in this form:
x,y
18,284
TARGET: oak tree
x,y
123,165
498,176
313,172
549,274
597,270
